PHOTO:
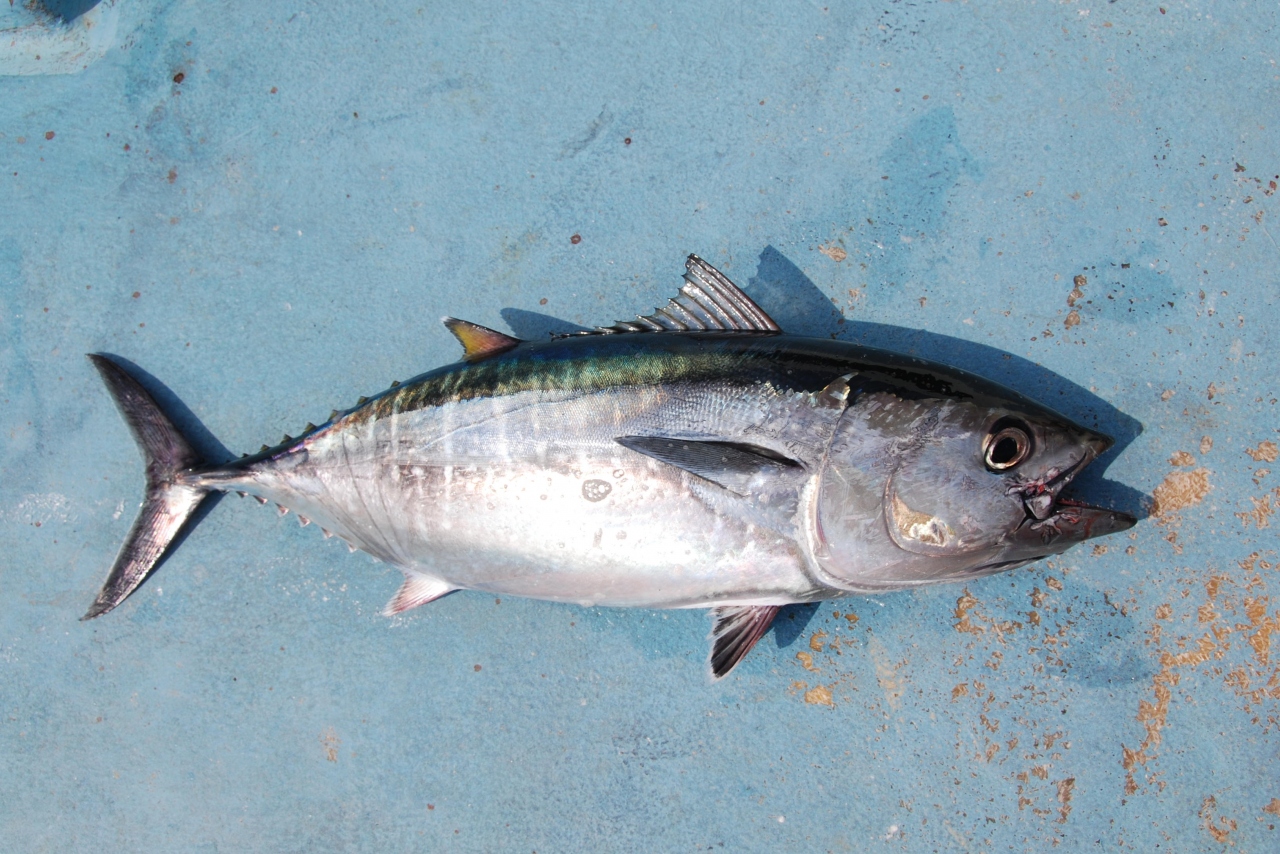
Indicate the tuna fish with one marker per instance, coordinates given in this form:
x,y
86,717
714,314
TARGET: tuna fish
x,y
696,457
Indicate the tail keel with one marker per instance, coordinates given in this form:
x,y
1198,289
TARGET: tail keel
x,y
168,505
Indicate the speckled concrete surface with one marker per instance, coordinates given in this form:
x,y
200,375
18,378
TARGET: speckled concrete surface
x,y
269,205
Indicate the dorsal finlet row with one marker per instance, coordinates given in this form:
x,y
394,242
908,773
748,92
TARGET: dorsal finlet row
x,y
310,428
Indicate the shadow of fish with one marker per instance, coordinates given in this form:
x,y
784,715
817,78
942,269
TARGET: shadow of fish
x,y
696,457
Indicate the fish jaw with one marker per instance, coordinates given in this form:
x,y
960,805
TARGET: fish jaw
x,y
1054,523
1074,522
1039,496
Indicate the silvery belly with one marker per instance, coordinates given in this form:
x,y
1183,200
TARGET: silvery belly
x,y
531,495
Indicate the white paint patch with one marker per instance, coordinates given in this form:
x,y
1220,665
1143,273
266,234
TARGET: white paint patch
x,y
41,507
47,45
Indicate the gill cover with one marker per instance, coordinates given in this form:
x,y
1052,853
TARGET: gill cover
x,y
918,491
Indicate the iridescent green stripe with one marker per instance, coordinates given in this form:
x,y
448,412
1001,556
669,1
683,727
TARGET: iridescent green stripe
x,y
586,367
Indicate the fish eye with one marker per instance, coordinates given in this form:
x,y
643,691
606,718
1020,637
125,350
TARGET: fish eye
x,y
1008,445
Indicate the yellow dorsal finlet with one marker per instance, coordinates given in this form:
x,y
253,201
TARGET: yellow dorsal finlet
x,y
478,342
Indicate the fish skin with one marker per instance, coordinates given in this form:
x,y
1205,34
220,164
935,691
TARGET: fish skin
x,y
731,467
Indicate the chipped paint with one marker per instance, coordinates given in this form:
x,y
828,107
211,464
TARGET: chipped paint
x,y
834,252
964,605
1209,654
1221,830
887,675
1263,510
330,741
1065,788
1180,490
817,640
1266,452
819,695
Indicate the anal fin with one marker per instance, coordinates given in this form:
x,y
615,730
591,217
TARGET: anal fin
x,y
416,590
736,631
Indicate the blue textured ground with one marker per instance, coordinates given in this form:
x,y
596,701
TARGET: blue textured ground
x,y
278,233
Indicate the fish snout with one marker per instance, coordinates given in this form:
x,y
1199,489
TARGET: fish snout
x,y
1075,522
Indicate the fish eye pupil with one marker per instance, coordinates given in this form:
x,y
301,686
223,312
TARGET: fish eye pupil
x,y
1006,448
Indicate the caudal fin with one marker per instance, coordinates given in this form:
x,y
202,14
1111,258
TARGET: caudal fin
x,y
168,504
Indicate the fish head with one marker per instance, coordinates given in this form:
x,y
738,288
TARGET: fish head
x,y
925,490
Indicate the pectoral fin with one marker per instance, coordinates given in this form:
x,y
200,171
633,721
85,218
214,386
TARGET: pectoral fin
x,y
736,630
416,590
733,465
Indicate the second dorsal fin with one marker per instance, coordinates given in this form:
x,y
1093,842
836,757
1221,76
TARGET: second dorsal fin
x,y
707,302
478,342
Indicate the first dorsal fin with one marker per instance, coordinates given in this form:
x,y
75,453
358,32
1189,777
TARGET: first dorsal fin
x,y
736,630
478,342
707,302
416,590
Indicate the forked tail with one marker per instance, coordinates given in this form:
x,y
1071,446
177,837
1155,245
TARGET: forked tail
x,y
168,504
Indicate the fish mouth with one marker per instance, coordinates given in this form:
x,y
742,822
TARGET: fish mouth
x,y
1040,495
1053,517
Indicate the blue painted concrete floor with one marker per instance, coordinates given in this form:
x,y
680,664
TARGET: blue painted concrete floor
x,y
270,205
